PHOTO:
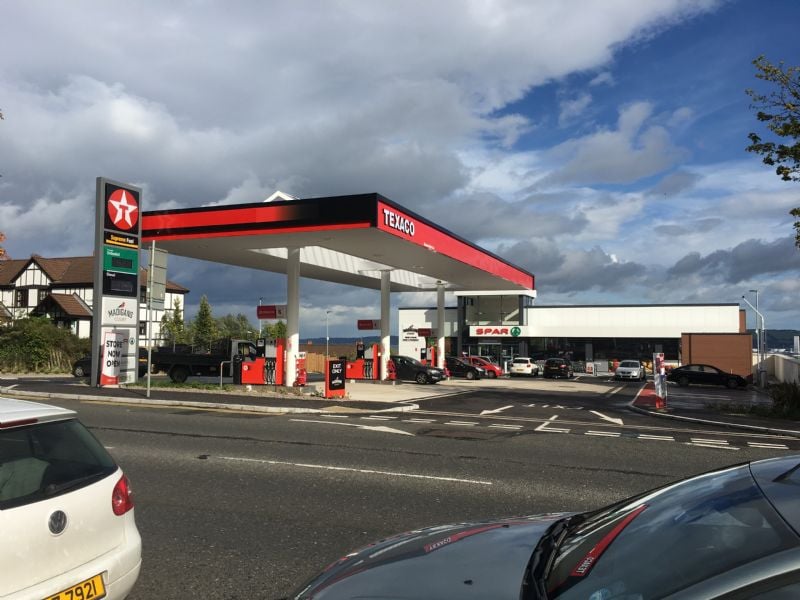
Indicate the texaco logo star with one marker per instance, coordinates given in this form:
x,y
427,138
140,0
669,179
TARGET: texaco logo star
x,y
123,209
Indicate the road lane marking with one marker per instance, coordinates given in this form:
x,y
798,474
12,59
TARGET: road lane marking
x,y
335,416
501,426
496,410
367,427
613,434
610,419
544,426
462,423
379,418
763,445
419,420
707,441
665,438
352,470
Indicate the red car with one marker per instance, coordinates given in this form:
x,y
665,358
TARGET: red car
x,y
492,370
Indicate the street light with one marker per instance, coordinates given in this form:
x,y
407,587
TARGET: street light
x,y
758,334
260,321
761,379
327,339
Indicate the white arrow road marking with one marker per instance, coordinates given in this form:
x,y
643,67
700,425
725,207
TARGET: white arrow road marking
x,y
366,471
368,427
496,410
545,428
610,419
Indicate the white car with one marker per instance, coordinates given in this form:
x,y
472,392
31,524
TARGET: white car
x,y
66,510
630,369
522,365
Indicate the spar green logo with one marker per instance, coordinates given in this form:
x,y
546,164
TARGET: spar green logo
x,y
515,331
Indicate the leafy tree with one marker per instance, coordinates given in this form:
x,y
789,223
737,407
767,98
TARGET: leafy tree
x,y
204,327
238,326
36,345
779,110
275,330
172,327
3,254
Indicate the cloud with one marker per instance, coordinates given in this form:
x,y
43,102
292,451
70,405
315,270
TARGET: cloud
x,y
571,109
743,262
675,183
604,78
630,152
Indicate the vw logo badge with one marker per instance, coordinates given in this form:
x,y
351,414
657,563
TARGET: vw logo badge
x,y
57,522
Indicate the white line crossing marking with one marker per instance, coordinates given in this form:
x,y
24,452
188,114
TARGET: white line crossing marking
x,y
379,418
500,426
765,445
706,441
336,416
419,421
461,423
614,434
719,446
665,438
366,471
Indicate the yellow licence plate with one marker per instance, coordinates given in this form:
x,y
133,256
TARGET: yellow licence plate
x,y
91,589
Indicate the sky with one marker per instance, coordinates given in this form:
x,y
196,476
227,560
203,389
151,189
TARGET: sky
x,y
598,144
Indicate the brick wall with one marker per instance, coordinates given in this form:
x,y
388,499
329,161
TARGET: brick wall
x,y
731,352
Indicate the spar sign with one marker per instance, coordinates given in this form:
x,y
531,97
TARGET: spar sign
x,y
493,331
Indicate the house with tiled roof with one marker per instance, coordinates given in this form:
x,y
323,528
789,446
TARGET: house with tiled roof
x,y
62,289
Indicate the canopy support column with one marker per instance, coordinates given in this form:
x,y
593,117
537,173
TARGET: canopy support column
x,y
292,314
440,324
386,284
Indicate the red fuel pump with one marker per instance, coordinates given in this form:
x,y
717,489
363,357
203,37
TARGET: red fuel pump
x,y
300,381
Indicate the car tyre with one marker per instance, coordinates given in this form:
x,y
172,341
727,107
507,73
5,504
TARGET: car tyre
x,y
179,374
491,375
470,375
732,384
683,381
421,378
78,372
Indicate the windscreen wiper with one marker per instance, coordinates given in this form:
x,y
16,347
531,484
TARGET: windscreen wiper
x,y
542,557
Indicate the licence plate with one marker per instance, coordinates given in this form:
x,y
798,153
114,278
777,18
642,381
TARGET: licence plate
x,y
91,589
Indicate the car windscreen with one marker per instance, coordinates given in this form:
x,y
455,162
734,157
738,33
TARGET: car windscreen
x,y
666,541
521,361
629,364
48,459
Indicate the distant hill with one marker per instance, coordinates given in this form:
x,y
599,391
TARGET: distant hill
x,y
778,338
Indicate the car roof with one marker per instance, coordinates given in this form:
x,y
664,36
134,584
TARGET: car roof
x,y
15,413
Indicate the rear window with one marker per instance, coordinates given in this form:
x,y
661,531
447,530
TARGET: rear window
x,y
45,460
522,361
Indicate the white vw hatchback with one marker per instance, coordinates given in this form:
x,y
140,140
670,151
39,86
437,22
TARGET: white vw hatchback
x,y
67,528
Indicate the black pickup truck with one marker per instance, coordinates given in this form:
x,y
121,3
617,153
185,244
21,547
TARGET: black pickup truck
x,y
181,362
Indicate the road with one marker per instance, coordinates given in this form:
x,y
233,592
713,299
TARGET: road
x,y
240,506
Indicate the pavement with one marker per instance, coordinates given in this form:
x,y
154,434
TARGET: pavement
x,y
374,397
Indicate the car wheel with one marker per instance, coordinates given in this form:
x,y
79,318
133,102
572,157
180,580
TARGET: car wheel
x,y
78,372
491,375
421,378
470,375
179,374
683,381
732,384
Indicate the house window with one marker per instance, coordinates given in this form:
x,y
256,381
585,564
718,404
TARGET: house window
x,y
143,295
21,298
42,296
142,328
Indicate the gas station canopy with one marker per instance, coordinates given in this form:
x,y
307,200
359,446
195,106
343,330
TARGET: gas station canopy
x,y
342,239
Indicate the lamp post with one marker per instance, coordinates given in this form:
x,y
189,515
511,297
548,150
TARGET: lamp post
x,y
761,378
260,321
327,338
758,335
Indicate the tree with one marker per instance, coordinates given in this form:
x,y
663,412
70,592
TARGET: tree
x,y
204,328
3,254
238,326
779,110
275,330
172,328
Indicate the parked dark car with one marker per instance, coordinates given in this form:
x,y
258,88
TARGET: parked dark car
x,y
730,533
83,366
410,369
705,375
557,367
461,368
